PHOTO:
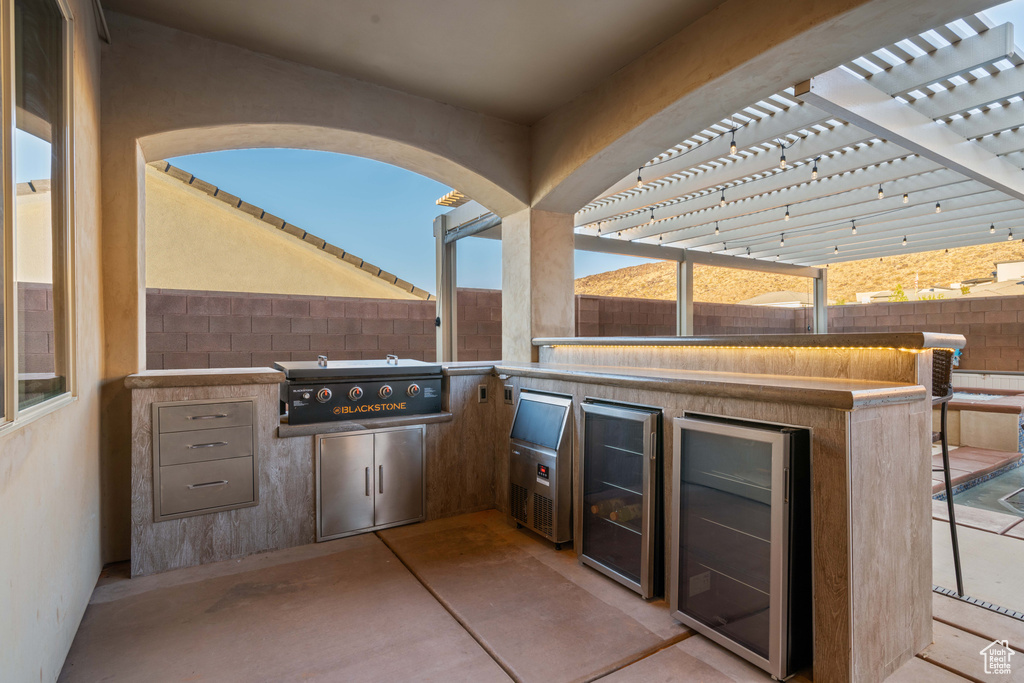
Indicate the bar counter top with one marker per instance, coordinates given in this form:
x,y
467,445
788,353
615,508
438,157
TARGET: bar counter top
x,y
844,394
885,340
203,377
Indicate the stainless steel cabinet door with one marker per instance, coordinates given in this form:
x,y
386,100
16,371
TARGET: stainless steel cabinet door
x,y
398,476
346,484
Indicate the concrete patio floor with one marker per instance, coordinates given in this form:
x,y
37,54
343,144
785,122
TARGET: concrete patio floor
x,y
468,598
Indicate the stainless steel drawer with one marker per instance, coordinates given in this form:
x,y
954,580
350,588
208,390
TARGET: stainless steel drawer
x,y
205,416
178,448
202,485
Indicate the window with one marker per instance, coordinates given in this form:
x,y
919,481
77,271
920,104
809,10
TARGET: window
x,y
37,327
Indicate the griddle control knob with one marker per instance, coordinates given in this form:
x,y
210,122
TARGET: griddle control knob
x,y
324,395
355,393
385,391
413,390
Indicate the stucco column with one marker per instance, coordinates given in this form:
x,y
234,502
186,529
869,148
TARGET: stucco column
x,y
536,281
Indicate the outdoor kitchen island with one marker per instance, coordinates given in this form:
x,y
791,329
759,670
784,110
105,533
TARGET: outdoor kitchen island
x,y
866,399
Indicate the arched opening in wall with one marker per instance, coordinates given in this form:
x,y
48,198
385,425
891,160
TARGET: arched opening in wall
x,y
264,255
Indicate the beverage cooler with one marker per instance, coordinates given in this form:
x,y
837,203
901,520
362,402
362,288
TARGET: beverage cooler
x,y
619,499
741,538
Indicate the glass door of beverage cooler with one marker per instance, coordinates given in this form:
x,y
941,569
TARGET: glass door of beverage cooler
x,y
730,535
617,499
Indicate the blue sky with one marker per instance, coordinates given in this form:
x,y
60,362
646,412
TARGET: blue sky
x,y
382,213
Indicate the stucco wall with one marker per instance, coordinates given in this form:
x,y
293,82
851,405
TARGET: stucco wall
x,y
194,241
49,469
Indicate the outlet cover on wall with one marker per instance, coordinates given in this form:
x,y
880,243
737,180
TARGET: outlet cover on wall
x,y
508,394
481,393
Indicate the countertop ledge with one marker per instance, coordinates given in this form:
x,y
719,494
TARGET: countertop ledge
x,y
159,379
891,340
286,430
843,394
480,367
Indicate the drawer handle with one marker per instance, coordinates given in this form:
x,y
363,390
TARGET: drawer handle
x,y
222,482
212,444
207,417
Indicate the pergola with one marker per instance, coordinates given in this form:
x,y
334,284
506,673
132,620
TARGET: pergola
x,y
914,147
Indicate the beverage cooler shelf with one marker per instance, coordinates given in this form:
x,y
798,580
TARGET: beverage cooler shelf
x,y
623,488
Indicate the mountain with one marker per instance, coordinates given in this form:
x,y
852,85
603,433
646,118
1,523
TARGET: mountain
x,y
729,285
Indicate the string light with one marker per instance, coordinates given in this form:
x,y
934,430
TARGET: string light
x,y
906,197
904,240
1009,237
853,229
787,212
814,171
782,159
651,222
782,240
639,177
881,194
721,202
836,250
732,144
938,207
716,227
992,229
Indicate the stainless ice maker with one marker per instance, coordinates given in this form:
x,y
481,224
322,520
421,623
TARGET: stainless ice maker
x,y
540,465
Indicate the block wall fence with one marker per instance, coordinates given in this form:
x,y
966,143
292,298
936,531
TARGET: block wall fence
x,y
193,329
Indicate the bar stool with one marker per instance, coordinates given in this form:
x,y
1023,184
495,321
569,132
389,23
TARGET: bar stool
x,y
942,392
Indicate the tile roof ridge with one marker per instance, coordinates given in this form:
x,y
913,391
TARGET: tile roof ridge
x,y
295,231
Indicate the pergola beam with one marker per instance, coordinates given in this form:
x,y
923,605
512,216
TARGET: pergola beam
x,y
650,251
869,108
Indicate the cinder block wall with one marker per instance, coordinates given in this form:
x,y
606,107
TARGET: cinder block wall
x,y
192,329
189,329
35,325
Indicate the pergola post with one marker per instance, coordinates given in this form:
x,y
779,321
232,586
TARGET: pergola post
x,y
684,298
447,293
820,324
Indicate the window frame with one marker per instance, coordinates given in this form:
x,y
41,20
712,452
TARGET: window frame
x,y
11,416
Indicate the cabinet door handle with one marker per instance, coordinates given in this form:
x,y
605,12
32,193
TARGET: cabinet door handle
x,y
367,481
212,444
380,477
207,417
222,482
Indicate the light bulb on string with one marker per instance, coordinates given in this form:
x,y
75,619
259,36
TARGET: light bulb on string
x,y
1009,237
992,229
721,202
732,143
782,160
881,194
716,227
836,251
938,207
904,240
782,240
814,171
853,228
639,177
906,197
787,213
651,222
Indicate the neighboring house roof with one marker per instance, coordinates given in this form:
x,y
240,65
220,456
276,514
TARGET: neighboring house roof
x,y
287,228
